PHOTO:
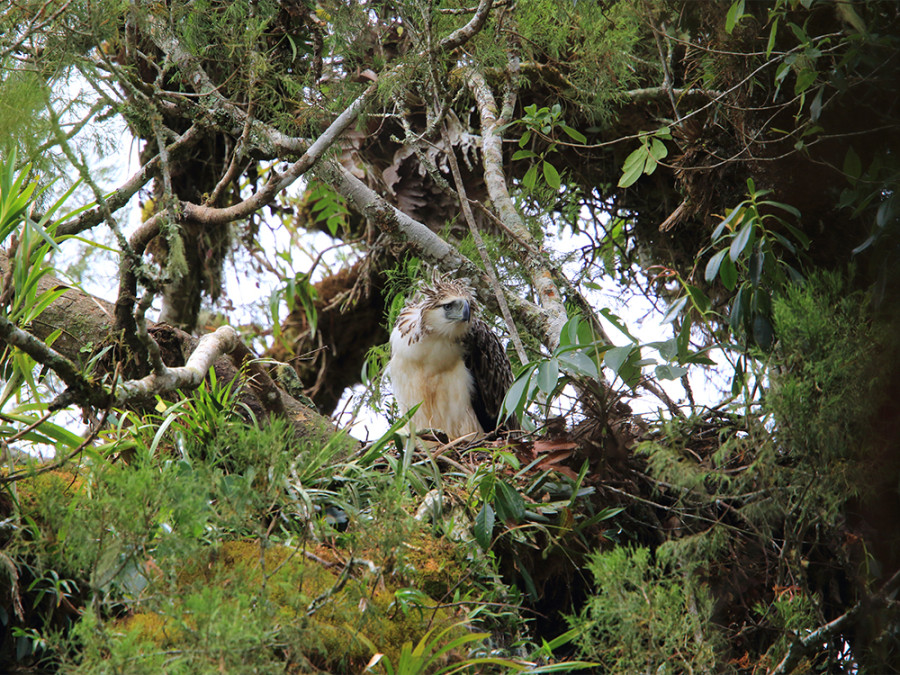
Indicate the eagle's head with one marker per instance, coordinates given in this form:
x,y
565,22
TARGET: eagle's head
x,y
447,307
443,309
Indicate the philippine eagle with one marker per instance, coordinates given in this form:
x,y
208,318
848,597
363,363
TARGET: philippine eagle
x,y
448,360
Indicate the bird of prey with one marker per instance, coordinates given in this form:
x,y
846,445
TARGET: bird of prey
x,y
448,360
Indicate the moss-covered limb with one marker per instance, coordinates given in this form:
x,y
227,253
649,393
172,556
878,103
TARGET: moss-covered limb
x,y
67,370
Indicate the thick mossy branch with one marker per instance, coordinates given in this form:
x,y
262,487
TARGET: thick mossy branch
x,y
82,389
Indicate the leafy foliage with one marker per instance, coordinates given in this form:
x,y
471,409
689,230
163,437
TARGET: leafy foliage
x,y
644,618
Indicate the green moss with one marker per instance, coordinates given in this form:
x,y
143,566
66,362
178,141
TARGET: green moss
x,y
435,563
255,599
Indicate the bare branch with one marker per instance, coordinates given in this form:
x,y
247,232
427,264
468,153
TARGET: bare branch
x,y
189,376
464,34
129,188
814,640
495,180
219,216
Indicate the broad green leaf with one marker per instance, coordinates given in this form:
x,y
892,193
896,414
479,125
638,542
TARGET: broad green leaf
x,y
523,154
616,357
772,33
712,267
683,339
674,310
574,133
658,149
852,165
795,275
579,363
530,178
514,401
756,265
798,30
736,214
551,175
784,241
805,79
633,167
509,503
569,333
735,14
698,298
815,108
848,14
793,210
763,332
741,240
616,321
548,374
670,372
667,349
738,310
484,526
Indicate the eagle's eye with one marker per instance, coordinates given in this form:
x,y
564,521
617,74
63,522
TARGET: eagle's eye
x,y
456,310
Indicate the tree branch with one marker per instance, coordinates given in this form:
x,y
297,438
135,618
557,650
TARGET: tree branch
x,y
219,216
67,370
495,180
804,646
189,376
120,197
464,34
263,136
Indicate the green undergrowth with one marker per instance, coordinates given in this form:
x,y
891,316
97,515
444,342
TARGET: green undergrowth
x,y
273,607
193,542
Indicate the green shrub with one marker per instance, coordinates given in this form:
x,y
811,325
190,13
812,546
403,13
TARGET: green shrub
x,y
644,617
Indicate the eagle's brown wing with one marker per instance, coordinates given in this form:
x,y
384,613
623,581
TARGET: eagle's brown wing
x,y
487,361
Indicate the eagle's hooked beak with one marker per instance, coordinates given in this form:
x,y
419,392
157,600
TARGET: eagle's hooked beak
x,y
457,310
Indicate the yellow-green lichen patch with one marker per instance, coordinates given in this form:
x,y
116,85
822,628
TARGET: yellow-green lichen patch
x,y
276,600
433,562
